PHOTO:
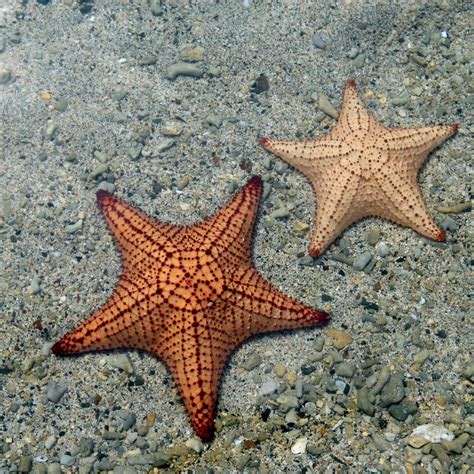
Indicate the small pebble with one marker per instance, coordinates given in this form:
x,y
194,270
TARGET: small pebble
x,y
183,182
341,339
120,361
433,433
34,288
456,445
318,41
25,463
60,104
456,209
373,236
50,442
183,69
449,224
288,400
195,444
268,388
172,130
299,388
164,145
280,213
129,420
54,468
55,391
393,391
345,369
5,76
106,186
326,107
191,55
299,446
441,454
382,249
67,460
280,370
362,260
363,402
254,360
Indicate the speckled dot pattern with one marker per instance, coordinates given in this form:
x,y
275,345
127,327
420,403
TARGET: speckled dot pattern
x,y
189,295
361,169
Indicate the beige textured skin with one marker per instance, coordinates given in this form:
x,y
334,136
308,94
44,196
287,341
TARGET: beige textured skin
x,y
188,295
361,168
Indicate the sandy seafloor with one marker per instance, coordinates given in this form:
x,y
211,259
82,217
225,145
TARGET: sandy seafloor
x,y
85,102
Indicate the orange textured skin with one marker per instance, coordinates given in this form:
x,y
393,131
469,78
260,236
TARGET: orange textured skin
x,y
362,168
188,295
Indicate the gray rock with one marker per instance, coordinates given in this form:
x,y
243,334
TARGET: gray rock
x,y
161,459
326,107
457,445
35,287
401,411
55,391
268,388
122,362
86,446
363,402
54,468
106,186
104,464
344,369
125,470
318,41
141,459
383,378
441,454
25,463
288,400
362,260
129,421
85,468
67,460
5,76
449,224
393,391
183,69
252,361
299,388
381,443
382,249
373,236
468,371
50,442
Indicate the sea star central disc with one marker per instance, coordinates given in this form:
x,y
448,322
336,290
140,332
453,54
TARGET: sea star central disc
x,y
188,295
362,168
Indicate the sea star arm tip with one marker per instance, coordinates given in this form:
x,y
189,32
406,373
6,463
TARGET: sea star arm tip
x,y
255,181
101,194
264,141
351,83
441,237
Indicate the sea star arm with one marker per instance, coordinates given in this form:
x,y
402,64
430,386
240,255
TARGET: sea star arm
x,y
335,210
120,322
230,229
400,200
137,235
261,308
306,155
416,143
354,116
195,350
